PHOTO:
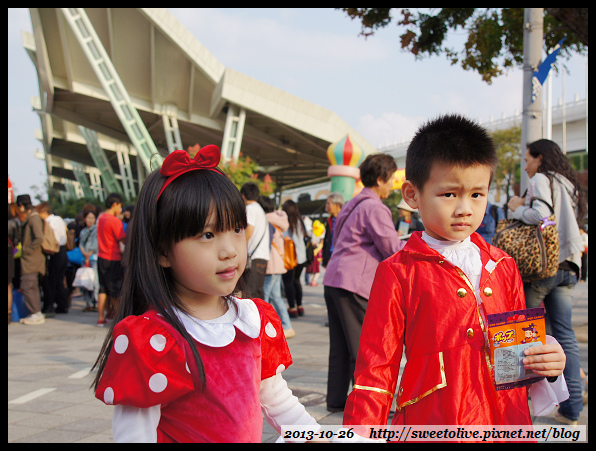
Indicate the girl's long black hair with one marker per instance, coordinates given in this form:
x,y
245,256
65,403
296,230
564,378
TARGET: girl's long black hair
x,y
181,212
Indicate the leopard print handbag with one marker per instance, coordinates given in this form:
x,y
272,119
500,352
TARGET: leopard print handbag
x,y
535,248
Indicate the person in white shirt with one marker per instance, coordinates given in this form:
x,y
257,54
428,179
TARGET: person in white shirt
x,y
257,239
55,292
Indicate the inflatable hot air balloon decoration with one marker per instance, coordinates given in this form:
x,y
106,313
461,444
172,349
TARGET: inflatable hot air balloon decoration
x,y
345,156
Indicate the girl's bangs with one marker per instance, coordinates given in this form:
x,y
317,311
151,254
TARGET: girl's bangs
x,y
190,200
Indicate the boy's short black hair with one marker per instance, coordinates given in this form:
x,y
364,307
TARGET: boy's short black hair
x,y
113,198
250,191
449,139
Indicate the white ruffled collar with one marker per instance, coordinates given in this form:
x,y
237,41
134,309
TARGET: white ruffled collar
x,y
463,254
217,333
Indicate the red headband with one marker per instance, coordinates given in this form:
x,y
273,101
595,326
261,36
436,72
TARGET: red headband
x,y
179,162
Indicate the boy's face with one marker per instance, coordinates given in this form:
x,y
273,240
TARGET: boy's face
x,y
453,201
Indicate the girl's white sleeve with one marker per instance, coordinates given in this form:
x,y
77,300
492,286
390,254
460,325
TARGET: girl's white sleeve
x,y
281,407
135,425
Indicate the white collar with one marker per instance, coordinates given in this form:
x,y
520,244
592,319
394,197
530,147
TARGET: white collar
x,y
463,254
440,245
219,332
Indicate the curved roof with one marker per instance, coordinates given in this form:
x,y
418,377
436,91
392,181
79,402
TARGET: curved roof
x,y
166,70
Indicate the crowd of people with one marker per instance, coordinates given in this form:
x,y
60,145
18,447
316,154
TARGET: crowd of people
x,y
390,286
46,277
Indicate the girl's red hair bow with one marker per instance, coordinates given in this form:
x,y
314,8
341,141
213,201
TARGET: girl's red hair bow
x,y
179,162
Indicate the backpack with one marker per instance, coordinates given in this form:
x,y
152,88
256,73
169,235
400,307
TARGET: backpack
x,y
290,261
49,245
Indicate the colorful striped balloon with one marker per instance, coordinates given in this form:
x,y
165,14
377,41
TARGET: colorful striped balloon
x,y
345,152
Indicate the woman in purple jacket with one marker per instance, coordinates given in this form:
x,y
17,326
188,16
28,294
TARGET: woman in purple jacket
x,y
364,236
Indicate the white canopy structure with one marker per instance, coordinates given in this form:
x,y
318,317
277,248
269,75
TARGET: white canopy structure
x,y
122,87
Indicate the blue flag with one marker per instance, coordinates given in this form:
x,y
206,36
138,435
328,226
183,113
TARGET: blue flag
x,y
543,70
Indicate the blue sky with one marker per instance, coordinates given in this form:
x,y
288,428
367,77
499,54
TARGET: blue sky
x,y
315,54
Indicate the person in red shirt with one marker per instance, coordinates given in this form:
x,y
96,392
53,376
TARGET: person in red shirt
x,y
110,235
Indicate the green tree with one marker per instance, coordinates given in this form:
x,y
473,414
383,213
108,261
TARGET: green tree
x,y
246,170
507,142
242,171
495,35
72,207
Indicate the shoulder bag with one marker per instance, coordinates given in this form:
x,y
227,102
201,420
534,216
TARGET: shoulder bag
x,y
535,248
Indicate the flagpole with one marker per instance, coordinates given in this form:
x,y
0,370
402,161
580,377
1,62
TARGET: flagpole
x,y
548,129
532,110
564,123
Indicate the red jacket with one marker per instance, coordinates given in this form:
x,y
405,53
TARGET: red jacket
x,y
422,301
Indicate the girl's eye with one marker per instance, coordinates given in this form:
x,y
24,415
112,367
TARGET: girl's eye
x,y
208,235
238,229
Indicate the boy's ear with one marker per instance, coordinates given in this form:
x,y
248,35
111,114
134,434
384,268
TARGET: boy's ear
x,y
409,194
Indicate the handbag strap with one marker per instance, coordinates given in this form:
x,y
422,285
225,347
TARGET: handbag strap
x,y
348,215
257,246
552,211
281,254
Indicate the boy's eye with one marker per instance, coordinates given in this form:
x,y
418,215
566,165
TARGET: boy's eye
x,y
449,194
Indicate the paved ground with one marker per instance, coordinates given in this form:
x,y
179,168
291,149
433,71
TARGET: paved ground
x,y
49,400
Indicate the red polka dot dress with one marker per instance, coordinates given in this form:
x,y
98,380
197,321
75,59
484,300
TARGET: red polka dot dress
x,y
152,367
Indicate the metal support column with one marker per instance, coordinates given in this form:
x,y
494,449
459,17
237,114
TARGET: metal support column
x,y
170,125
71,190
96,186
233,132
81,177
110,81
125,171
532,110
101,161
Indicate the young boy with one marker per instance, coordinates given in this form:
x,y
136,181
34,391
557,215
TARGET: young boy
x,y
431,297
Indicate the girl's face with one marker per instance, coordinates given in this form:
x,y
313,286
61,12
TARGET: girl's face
x,y
532,164
453,201
90,219
207,266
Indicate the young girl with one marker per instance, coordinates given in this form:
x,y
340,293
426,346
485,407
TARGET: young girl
x,y
185,360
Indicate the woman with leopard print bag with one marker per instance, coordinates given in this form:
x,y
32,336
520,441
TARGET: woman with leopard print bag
x,y
553,179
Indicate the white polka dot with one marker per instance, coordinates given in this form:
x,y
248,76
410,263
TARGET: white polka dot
x,y
280,368
270,330
120,344
158,382
158,342
108,396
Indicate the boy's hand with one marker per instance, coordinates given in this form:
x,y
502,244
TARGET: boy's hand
x,y
545,360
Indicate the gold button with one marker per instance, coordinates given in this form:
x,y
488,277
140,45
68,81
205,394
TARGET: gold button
x,y
470,333
462,292
488,291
